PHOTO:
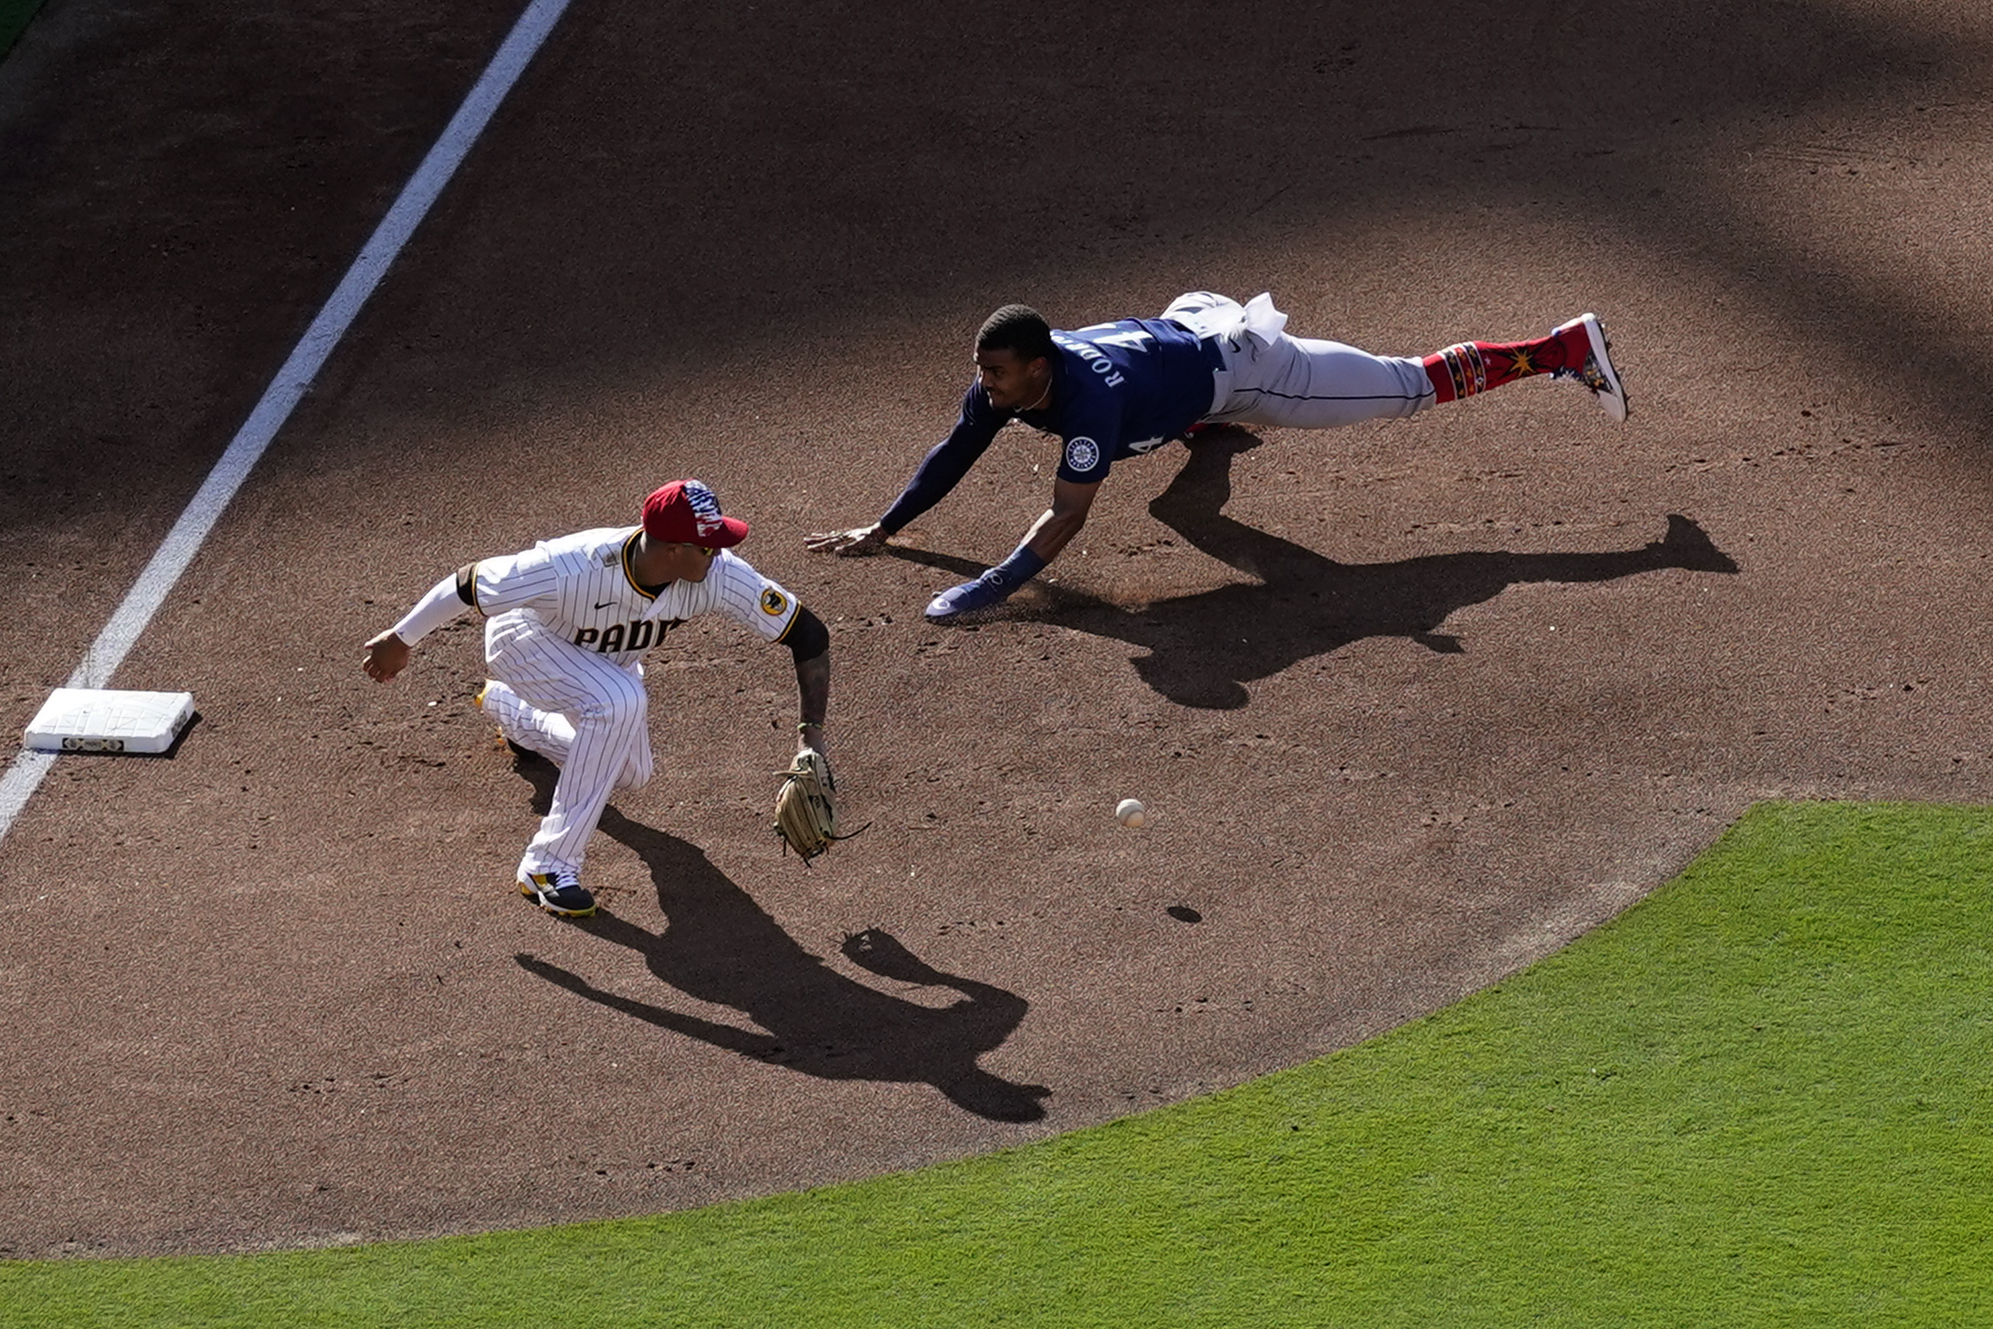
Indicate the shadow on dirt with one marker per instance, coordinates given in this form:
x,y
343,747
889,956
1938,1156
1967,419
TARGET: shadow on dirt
x,y
1202,649
720,947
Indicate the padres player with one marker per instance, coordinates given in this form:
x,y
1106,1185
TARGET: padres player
x,y
1118,390
567,623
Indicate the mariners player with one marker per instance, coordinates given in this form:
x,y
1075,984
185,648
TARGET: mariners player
x,y
567,624
1118,390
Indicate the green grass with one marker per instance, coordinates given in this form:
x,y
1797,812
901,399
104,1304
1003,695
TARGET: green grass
x,y
1761,1097
14,16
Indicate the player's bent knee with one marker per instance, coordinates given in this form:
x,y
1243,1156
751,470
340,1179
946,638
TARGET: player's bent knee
x,y
615,706
636,772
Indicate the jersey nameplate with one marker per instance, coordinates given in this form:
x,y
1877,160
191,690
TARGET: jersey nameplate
x,y
1096,360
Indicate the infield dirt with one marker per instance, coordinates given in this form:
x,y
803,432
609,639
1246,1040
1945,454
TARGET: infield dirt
x,y
1410,704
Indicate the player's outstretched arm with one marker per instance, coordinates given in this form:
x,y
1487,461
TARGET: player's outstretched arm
x,y
387,654
1052,532
805,806
1055,529
813,690
808,641
938,473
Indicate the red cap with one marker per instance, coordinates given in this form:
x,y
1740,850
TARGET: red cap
x,y
685,512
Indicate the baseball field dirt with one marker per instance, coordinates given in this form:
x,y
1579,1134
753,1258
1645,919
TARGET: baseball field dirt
x,y
1409,705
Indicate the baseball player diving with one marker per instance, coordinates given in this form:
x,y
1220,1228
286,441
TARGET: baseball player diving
x,y
1118,390
567,623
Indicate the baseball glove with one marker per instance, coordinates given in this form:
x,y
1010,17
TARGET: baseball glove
x,y
805,815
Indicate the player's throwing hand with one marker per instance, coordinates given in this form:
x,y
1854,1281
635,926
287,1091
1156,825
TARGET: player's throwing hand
x,y
387,655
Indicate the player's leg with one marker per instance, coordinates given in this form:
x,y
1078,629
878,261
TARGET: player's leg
x,y
584,712
525,725
551,733
1304,383
1576,350
1272,378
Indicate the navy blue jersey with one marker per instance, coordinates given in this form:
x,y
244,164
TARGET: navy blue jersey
x,y
1118,390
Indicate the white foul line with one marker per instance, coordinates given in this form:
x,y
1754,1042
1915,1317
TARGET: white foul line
x,y
291,383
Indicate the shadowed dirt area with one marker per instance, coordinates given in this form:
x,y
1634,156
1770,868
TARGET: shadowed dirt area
x,y
1411,704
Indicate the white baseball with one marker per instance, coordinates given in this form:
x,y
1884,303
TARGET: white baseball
x,y
1130,812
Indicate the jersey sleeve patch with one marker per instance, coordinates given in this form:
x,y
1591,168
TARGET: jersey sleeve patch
x,y
773,602
1082,454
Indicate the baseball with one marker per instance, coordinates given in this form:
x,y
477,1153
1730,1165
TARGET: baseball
x,y
1130,812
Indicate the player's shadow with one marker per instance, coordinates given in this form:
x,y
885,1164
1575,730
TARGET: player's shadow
x,y
1203,648
720,947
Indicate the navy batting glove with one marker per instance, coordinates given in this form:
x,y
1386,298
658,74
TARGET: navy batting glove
x,y
981,593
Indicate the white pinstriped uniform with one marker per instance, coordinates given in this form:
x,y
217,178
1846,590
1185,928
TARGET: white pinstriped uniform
x,y
564,643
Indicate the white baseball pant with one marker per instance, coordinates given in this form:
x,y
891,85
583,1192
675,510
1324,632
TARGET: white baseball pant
x,y
1271,378
579,710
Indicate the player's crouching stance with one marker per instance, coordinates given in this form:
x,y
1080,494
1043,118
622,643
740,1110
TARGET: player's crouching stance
x,y
567,624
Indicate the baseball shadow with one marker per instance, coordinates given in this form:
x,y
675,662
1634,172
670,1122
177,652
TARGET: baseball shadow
x,y
721,947
1202,649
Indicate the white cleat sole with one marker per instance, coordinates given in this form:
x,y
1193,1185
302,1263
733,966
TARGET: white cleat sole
x,y
1599,374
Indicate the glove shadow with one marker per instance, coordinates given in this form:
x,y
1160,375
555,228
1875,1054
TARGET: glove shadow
x,y
880,952
719,946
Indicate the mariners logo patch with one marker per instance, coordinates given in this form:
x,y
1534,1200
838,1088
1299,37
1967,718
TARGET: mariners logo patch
x,y
773,602
1082,454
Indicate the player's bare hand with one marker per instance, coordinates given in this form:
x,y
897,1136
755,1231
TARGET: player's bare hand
x,y
857,540
387,655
